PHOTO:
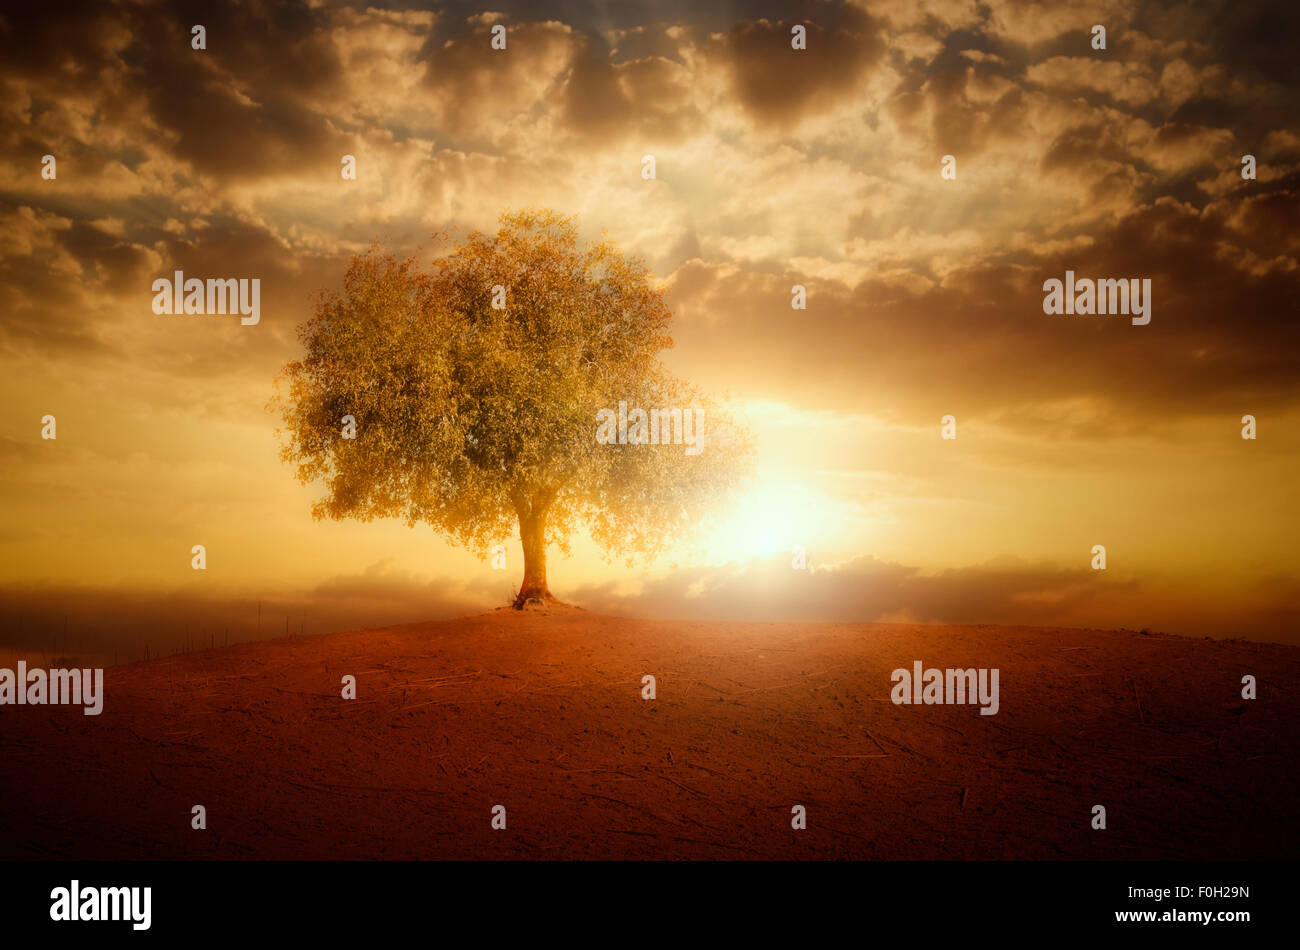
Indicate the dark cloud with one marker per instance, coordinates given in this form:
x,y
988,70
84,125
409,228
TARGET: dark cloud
x,y
246,106
41,284
1251,39
66,45
1223,329
256,105
84,290
778,84
605,103
478,91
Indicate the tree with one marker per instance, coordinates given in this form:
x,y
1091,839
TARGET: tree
x,y
477,387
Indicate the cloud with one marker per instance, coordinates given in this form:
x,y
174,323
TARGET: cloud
x,y
775,167
973,335
1127,83
478,94
104,620
778,84
1008,591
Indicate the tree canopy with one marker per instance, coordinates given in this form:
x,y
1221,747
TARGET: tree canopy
x,y
476,387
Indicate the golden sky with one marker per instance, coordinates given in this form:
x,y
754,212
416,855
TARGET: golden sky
x,y
774,167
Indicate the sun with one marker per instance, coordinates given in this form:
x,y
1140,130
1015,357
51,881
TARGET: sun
x,y
767,520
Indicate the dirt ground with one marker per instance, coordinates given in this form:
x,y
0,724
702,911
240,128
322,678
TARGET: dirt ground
x,y
542,712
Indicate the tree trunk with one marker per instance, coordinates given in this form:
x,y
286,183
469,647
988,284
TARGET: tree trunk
x,y
532,533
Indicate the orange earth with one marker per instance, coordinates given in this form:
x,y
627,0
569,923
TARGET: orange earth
x,y
542,712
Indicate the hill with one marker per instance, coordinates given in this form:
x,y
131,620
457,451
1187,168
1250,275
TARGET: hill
x,y
542,712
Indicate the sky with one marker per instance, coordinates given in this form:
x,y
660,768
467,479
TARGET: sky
x,y
821,167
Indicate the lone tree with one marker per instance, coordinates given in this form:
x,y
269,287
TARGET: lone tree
x,y
486,392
